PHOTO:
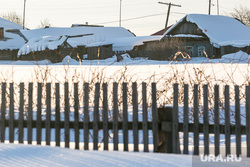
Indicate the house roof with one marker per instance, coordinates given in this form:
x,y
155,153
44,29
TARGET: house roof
x,y
100,34
221,30
161,32
126,43
11,41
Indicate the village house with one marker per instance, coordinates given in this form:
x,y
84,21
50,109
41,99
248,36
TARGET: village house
x,y
9,42
199,35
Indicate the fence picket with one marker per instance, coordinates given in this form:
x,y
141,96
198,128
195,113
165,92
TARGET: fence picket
x,y
105,116
186,118
155,118
237,122
125,116
76,115
175,123
115,116
38,116
48,113
205,120
20,117
227,120
216,121
196,120
135,116
248,119
3,112
66,115
86,116
30,113
96,116
58,116
145,116
11,114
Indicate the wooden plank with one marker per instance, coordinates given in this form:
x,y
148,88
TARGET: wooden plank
x,y
3,112
175,122
145,116
105,117
76,115
216,121
227,120
58,116
248,119
186,118
96,116
48,113
155,118
86,116
196,120
125,116
21,110
135,116
237,121
11,114
205,120
66,115
115,116
30,113
39,115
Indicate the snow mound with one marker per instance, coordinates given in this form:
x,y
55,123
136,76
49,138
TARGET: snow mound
x,y
237,57
41,43
67,60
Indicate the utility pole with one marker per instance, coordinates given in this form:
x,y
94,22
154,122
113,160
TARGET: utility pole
x,y
218,8
24,13
120,19
169,7
209,8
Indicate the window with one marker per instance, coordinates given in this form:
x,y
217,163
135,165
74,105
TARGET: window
x,y
201,51
190,51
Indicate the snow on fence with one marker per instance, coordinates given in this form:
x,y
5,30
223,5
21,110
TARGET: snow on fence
x,y
165,123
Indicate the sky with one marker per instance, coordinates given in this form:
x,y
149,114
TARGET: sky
x,y
142,17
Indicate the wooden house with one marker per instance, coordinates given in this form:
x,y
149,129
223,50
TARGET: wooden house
x,y
198,35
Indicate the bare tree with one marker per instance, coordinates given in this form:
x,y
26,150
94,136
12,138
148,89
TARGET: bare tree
x,y
44,23
14,17
242,14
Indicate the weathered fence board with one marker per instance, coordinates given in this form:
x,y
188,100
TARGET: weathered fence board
x,y
48,113
21,110
105,116
86,116
145,116
76,115
186,118
227,120
135,116
237,122
66,115
57,115
30,113
125,116
205,120
115,116
96,116
196,120
39,114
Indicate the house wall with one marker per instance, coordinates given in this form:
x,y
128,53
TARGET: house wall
x,y
231,49
105,52
168,47
8,54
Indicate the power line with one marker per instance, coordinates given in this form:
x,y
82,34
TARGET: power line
x,y
141,17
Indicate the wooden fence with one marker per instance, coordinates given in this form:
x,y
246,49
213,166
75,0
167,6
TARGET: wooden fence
x,y
165,123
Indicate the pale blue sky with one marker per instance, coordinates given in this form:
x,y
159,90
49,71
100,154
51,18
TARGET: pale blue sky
x,y
63,13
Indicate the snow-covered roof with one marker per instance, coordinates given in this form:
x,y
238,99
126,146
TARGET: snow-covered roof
x,y
41,43
126,43
11,41
221,30
100,34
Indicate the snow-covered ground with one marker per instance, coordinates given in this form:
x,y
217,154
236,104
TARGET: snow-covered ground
x,y
30,155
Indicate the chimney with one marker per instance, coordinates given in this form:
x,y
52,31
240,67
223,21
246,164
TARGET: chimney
x,y
1,33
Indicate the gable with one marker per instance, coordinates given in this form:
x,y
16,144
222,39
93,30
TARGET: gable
x,y
187,28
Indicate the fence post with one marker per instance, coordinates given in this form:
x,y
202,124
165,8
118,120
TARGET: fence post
x,y
165,132
3,112
175,119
